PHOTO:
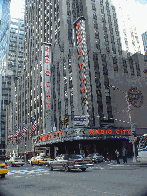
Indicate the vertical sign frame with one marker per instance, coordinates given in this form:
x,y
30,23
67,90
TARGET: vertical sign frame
x,y
81,45
46,86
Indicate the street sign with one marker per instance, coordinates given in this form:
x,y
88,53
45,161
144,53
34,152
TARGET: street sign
x,y
54,128
80,121
131,139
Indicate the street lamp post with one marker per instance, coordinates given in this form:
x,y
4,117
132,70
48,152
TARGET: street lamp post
x,y
131,124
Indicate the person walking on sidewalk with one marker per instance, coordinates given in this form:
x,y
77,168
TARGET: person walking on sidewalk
x,y
124,154
117,156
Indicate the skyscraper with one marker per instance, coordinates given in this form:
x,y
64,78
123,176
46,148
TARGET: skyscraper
x,y
144,39
77,46
3,51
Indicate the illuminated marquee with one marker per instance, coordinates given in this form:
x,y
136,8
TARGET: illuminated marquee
x,y
80,35
47,74
46,86
50,136
109,132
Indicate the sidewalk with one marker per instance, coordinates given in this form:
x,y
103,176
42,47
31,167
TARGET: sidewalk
x,y
130,162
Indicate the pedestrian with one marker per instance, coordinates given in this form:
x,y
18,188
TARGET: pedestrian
x,y
124,154
108,158
117,156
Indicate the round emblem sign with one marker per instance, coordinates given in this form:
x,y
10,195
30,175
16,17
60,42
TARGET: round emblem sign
x,y
135,97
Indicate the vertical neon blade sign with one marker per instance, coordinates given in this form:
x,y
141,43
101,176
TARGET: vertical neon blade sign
x,y
46,87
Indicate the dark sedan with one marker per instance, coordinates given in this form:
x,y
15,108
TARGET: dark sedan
x,y
96,157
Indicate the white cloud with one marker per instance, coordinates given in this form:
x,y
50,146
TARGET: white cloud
x,y
17,8
138,13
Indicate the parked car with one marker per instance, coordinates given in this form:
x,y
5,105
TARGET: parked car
x,y
3,169
39,160
96,157
44,160
35,160
31,160
13,161
68,162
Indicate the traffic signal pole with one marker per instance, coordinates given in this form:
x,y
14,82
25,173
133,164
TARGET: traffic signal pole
x,y
132,128
131,124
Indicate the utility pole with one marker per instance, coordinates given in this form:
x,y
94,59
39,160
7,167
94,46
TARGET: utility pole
x,y
132,128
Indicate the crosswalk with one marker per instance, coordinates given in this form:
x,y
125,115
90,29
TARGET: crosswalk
x,y
32,171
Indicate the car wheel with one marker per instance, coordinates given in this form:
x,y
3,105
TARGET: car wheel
x,y
66,168
83,169
39,163
31,163
2,175
50,167
12,165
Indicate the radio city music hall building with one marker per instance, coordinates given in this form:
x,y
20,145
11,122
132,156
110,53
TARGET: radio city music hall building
x,y
72,54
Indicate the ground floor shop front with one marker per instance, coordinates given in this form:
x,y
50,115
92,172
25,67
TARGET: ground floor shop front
x,y
86,147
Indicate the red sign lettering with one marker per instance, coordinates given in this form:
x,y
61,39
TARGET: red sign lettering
x,y
78,25
47,49
80,53
47,90
47,73
83,89
48,97
81,66
91,132
47,55
79,32
82,80
49,137
48,104
47,84
79,39
46,60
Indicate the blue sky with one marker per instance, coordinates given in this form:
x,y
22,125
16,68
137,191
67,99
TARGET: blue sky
x,y
142,1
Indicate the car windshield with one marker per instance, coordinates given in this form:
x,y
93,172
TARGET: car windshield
x,y
43,157
90,155
18,159
76,156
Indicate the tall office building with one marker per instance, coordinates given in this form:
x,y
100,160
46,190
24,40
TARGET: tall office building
x,y
72,52
130,39
3,51
14,67
144,39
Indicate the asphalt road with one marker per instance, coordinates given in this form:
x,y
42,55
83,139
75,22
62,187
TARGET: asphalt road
x,y
102,180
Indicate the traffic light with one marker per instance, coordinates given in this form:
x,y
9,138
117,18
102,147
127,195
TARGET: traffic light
x,y
64,121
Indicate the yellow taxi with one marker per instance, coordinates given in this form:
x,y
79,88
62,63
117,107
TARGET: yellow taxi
x,y
40,160
3,169
44,160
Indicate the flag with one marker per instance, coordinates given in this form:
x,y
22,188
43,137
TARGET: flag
x,y
24,129
16,134
33,129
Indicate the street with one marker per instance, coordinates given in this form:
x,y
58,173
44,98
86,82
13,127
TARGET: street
x,y
104,179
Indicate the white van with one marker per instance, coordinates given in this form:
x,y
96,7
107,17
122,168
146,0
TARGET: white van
x,y
142,151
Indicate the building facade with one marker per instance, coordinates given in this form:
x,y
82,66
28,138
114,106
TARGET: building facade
x,y
144,39
3,52
72,53
14,66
